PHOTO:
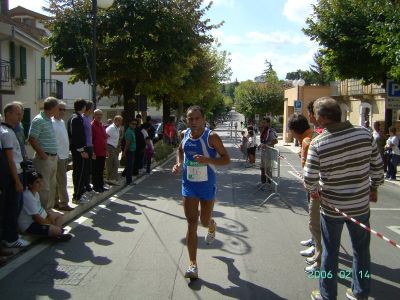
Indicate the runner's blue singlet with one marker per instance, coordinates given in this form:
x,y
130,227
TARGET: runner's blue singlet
x,y
198,180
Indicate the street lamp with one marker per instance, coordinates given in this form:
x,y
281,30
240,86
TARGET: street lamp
x,y
102,4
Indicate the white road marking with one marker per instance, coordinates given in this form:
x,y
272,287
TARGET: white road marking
x,y
394,228
385,209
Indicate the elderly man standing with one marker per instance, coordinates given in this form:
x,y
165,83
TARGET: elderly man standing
x,y
61,197
99,139
343,169
43,140
12,194
113,133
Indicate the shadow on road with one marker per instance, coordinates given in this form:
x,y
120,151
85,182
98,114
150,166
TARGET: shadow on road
x,y
242,289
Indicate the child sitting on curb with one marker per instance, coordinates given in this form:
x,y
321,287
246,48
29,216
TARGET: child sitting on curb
x,y
34,219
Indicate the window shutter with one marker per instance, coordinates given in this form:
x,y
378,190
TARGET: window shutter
x,y
12,59
22,53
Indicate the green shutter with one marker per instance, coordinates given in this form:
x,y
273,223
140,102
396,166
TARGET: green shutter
x,y
22,66
43,68
12,59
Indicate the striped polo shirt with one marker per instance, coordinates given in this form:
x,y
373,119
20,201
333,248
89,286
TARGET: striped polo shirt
x,y
344,163
42,130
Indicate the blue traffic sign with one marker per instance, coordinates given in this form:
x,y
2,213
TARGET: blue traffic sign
x,y
393,89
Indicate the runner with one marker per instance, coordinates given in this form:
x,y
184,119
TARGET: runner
x,y
197,156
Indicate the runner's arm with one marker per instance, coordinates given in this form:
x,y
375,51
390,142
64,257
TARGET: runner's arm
x,y
216,143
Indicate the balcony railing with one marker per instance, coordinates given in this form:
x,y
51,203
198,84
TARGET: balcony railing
x,y
6,86
352,87
50,88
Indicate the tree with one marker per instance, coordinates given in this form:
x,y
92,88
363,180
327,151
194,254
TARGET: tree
x,y
140,44
260,97
358,38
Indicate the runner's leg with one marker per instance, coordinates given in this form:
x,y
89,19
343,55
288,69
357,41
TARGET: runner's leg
x,y
191,207
206,212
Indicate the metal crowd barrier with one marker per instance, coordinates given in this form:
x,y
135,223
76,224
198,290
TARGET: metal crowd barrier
x,y
270,161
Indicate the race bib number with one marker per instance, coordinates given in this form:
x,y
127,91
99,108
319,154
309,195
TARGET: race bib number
x,y
196,172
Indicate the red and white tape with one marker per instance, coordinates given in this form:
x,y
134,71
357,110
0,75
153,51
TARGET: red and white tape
x,y
380,235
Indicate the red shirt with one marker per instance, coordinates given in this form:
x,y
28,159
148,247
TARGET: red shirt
x,y
99,139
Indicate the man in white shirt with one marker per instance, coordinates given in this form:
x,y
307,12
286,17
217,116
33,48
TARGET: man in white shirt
x,y
13,113
61,196
112,163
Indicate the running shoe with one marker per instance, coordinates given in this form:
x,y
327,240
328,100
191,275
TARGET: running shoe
x,y
308,252
316,295
307,243
19,243
210,237
351,296
192,272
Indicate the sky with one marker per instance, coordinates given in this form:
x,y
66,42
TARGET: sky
x,y
253,31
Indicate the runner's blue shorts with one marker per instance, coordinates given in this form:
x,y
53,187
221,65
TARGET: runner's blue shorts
x,y
202,191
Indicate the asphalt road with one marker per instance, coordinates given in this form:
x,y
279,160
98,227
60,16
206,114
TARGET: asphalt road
x,y
132,246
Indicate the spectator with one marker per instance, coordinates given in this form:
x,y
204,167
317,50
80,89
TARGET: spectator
x,y
129,150
311,117
87,120
5,182
61,196
36,220
112,164
170,132
366,125
140,146
43,140
149,152
379,138
243,145
392,146
151,131
301,130
99,139
331,157
77,137
251,149
12,194
108,123
268,138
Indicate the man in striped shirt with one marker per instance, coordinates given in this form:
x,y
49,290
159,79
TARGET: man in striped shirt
x,y
344,169
43,140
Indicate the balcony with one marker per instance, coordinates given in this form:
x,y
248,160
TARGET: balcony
x,y
352,87
50,88
5,79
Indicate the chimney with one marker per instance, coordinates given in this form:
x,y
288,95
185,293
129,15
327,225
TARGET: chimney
x,y
4,7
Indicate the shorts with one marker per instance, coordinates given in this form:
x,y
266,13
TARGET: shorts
x,y
38,229
206,194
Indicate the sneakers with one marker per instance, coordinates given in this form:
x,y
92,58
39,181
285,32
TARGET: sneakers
x,y
351,296
210,237
310,261
311,269
82,200
192,272
307,243
19,243
316,295
308,252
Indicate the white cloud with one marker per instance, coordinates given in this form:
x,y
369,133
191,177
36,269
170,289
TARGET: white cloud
x,y
260,38
298,10
248,67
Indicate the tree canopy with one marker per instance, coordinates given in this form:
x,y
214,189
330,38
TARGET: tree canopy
x,y
359,38
146,46
260,97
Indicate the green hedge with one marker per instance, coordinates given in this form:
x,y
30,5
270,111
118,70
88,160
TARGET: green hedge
x,y
162,150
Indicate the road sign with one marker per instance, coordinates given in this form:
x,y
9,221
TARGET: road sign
x,y
393,95
297,106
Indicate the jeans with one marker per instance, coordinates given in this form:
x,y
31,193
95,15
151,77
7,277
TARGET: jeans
x,y
331,229
392,166
130,158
